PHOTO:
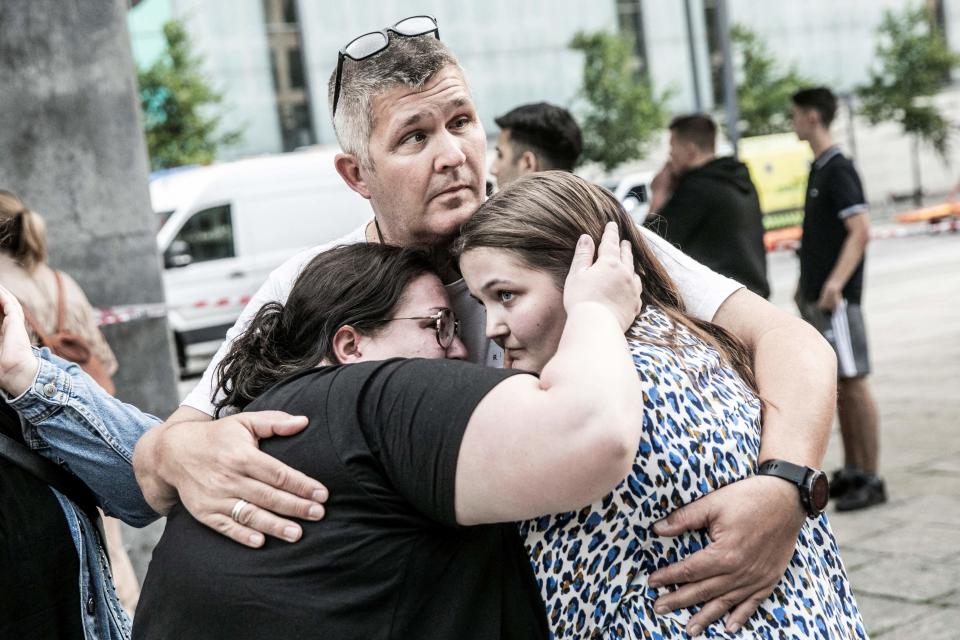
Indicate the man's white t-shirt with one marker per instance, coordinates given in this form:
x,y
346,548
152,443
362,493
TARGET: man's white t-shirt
x,y
703,292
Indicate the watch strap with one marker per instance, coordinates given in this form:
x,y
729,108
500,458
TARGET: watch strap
x,y
783,469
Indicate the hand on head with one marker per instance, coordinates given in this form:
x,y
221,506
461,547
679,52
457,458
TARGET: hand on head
x,y
18,365
610,280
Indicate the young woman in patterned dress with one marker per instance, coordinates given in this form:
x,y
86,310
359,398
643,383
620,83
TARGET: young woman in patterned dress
x,y
701,430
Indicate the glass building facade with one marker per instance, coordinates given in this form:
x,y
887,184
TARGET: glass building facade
x,y
272,59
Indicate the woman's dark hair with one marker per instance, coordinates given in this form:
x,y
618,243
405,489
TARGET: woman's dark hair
x,y
358,285
540,217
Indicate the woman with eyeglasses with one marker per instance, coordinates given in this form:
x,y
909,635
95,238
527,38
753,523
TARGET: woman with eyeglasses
x,y
414,445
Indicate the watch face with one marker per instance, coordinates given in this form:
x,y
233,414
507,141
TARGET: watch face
x,y
819,491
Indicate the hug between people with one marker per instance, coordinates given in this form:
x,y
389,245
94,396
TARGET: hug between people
x,y
530,417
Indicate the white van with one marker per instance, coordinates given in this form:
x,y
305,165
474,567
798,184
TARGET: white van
x,y
633,191
224,227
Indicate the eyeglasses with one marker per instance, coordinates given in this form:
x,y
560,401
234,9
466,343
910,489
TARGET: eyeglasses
x,y
447,326
370,44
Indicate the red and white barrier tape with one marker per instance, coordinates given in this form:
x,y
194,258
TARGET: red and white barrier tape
x,y
886,233
222,302
131,312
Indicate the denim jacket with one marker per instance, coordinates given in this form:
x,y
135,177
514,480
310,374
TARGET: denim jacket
x,y
69,419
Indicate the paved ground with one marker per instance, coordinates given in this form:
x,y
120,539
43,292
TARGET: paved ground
x,y
903,557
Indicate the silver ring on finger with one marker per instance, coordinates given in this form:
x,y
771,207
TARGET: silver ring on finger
x,y
237,509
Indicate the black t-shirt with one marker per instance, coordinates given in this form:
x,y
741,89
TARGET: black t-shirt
x,y
833,193
39,568
388,560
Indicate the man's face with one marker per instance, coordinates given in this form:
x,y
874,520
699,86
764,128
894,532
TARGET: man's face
x,y
803,121
682,154
427,148
506,166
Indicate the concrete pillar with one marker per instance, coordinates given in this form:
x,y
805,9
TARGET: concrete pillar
x,y
72,146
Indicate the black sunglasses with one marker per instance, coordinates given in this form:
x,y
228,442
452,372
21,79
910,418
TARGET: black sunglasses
x,y
370,44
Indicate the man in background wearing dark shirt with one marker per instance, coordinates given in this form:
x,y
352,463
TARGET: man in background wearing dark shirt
x,y
535,137
836,228
708,206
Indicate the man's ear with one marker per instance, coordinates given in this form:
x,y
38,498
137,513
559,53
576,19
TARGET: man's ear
x,y
346,345
528,162
349,169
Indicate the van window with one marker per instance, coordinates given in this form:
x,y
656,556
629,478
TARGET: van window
x,y
639,192
209,234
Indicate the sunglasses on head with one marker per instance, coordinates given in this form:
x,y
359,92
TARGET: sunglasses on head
x,y
370,44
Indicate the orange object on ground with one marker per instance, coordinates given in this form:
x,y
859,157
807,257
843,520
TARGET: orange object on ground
x,y
930,214
773,240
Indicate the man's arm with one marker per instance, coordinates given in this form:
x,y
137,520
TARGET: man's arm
x,y
208,467
851,253
754,523
157,487
219,463
702,289
796,372
846,194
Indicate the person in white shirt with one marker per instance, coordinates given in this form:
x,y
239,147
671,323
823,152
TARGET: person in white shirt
x,y
413,144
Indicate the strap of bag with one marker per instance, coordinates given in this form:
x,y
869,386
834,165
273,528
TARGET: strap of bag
x,y
41,336
33,463
60,304
61,312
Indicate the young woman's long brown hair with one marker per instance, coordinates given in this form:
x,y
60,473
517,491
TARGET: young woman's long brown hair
x,y
540,217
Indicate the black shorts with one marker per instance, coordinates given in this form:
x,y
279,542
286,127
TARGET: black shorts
x,y
846,333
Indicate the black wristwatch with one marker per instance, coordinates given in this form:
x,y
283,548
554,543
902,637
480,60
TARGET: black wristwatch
x,y
812,483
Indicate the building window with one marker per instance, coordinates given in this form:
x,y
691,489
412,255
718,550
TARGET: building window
x,y
274,71
289,73
630,23
290,12
714,50
295,69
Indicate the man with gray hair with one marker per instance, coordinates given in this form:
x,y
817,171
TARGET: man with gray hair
x,y
414,146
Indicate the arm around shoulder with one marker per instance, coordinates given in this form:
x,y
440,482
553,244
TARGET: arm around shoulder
x,y
796,371
702,289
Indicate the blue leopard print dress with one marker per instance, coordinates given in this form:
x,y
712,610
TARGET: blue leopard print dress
x,y
701,432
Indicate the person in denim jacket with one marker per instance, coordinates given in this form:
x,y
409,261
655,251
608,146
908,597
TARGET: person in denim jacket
x,y
64,416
